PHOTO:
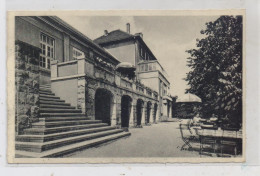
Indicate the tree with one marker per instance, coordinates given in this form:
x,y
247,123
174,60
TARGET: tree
x,y
216,69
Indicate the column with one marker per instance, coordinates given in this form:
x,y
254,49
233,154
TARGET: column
x,y
81,101
113,118
143,115
150,116
170,110
157,114
118,111
66,47
132,115
154,115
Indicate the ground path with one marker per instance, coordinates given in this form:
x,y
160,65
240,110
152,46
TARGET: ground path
x,y
158,140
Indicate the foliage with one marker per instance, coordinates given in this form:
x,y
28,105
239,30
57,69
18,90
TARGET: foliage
x,y
216,68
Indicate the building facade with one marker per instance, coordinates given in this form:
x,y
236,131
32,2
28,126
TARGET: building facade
x,y
127,47
83,74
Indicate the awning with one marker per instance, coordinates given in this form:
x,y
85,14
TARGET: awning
x,y
126,69
125,66
188,98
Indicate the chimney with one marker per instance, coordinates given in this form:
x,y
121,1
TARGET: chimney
x,y
128,28
105,32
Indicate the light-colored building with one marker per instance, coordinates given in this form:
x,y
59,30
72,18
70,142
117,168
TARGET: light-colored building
x,y
69,91
127,47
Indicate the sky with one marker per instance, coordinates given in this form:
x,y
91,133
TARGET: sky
x,y
168,37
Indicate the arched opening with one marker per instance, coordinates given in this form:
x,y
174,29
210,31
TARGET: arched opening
x,y
155,112
149,105
103,105
126,103
139,111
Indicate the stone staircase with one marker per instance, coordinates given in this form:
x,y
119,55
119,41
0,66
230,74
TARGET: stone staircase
x,y
62,129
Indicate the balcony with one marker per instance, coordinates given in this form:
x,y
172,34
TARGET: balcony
x,y
85,67
152,65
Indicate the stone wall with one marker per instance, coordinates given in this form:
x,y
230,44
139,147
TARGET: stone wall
x,y
27,85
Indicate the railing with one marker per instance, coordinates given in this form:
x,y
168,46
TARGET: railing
x,y
151,66
84,66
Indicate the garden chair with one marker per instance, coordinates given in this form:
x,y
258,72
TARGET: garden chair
x,y
187,136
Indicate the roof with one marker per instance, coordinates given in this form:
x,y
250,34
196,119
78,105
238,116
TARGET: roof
x,y
119,35
113,36
188,98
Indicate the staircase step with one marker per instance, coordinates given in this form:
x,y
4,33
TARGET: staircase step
x,y
60,102
71,148
41,131
48,96
45,85
63,123
57,106
58,110
60,114
39,147
45,88
56,136
46,93
50,99
48,89
49,119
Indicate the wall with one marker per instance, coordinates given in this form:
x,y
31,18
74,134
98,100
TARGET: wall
x,y
66,90
150,79
27,85
68,69
124,53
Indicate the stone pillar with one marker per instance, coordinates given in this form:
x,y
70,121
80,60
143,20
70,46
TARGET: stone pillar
x,y
66,47
143,121
132,115
170,110
113,114
154,115
81,103
90,102
150,117
118,111
157,114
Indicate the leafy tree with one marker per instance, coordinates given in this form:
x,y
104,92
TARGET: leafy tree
x,y
216,69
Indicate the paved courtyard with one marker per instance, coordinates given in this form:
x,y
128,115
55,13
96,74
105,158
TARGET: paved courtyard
x,y
159,140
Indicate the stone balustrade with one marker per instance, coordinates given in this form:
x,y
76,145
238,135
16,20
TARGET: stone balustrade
x,y
85,66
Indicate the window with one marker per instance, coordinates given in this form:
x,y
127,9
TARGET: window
x,y
150,66
142,67
47,51
141,52
154,66
146,67
77,54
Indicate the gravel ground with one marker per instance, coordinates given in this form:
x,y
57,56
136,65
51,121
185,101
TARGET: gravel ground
x,y
158,140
